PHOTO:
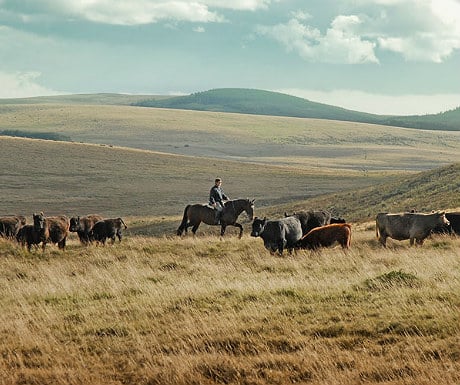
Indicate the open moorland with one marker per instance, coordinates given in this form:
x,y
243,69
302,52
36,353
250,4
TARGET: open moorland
x,y
204,310
308,143
159,309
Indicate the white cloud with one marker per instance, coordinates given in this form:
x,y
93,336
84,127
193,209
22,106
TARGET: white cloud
x,y
419,30
133,12
409,104
199,29
340,43
22,85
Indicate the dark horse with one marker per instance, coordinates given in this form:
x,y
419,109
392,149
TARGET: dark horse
x,y
197,213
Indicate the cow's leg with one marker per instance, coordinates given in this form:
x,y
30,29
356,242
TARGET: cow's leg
x,y
61,243
222,230
411,241
119,235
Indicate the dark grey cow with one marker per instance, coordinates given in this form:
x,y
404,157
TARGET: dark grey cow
x,y
413,226
107,228
311,219
278,234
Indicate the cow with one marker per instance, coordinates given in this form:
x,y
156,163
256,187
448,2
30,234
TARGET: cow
x,y
413,226
10,225
278,234
337,220
107,228
52,229
326,236
28,235
311,219
83,225
452,228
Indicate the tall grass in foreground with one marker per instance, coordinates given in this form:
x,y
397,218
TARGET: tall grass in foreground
x,y
207,310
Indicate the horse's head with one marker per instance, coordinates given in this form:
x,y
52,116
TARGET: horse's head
x,y
249,208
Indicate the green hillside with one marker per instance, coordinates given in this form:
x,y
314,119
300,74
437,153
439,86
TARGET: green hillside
x,y
436,189
250,101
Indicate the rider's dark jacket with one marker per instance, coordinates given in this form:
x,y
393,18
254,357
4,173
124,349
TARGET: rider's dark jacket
x,y
217,195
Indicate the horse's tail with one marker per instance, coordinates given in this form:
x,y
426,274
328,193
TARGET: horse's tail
x,y
183,224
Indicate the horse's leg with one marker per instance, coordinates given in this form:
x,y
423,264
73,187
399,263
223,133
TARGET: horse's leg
x,y
241,229
195,228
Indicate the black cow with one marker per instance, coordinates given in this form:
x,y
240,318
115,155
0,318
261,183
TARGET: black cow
x,y
107,228
27,235
278,234
311,219
452,228
83,225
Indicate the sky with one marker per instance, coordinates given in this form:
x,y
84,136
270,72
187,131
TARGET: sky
x,y
380,56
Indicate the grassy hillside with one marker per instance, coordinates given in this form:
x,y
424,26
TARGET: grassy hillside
x,y
250,101
97,99
437,189
210,311
249,138
74,178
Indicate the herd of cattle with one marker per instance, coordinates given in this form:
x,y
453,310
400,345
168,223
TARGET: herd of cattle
x,y
315,229
301,230
55,229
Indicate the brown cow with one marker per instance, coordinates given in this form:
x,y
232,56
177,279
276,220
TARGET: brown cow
x,y
326,236
83,226
52,229
107,228
10,225
28,235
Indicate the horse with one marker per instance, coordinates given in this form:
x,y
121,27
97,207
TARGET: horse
x,y
197,213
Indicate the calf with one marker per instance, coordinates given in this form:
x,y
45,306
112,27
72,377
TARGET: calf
x,y
278,234
83,226
52,229
28,236
326,236
107,228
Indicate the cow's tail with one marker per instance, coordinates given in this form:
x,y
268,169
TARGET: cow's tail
x,y
183,224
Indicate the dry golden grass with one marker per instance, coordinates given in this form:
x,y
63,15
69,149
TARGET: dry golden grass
x,y
205,310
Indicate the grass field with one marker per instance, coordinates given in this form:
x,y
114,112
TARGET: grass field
x,y
158,309
206,310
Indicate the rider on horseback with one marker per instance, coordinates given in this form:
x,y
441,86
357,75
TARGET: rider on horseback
x,y
217,198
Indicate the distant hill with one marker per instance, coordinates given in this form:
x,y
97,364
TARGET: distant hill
x,y
250,101
90,99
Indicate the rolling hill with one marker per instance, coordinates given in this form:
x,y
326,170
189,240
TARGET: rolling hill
x,y
250,101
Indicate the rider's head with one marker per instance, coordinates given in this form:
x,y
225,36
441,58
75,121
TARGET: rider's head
x,y
218,181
